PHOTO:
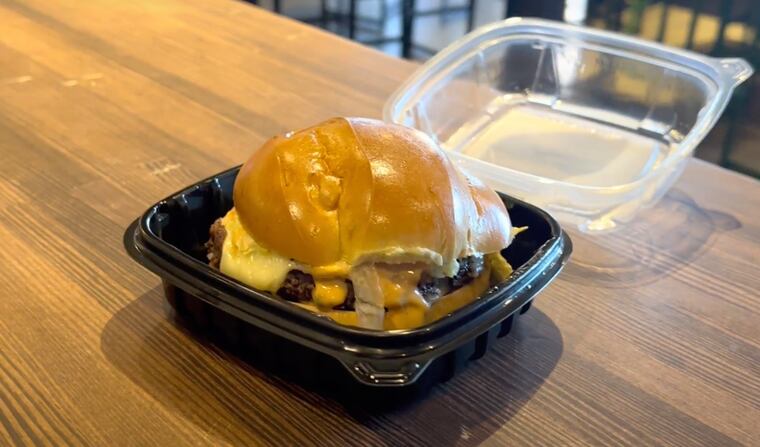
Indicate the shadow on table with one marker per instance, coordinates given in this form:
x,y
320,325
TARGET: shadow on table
x,y
658,241
218,388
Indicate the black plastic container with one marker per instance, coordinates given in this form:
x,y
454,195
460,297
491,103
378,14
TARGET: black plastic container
x,y
168,240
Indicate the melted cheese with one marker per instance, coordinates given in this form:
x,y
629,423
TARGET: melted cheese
x,y
398,285
329,293
500,268
387,286
406,308
417,314
518,230
337,270
460,297
248,262
378,286
405,317
344,317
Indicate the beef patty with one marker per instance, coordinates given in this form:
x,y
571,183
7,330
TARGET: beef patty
x,y
216,233
298,286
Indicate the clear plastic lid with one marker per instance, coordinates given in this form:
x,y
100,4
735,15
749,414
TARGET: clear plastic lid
x,y
590,125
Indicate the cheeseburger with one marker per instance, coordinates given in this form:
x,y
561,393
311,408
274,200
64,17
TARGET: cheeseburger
x,y
365,222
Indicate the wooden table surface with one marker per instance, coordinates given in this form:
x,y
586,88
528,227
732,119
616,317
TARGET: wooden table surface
x,y
650,336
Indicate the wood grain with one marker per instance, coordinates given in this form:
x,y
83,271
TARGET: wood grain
x,y
649,337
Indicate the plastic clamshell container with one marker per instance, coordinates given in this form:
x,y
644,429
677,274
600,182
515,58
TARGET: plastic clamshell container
x,y
590,125
169,240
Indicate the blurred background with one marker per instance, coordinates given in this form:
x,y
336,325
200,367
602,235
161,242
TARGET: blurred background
x,y
417,29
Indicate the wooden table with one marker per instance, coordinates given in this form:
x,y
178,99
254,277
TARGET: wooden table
x,y
649,336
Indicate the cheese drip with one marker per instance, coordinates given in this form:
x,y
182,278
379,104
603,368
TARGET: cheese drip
x,y
389,286
386,294
329,293
247,261
412,315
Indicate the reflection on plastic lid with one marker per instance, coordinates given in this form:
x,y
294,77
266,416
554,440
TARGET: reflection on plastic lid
x,y
590,125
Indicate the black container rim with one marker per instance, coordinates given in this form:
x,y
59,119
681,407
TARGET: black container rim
x,y
526,281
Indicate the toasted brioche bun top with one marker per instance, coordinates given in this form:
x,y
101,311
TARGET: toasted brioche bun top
x,y
350,190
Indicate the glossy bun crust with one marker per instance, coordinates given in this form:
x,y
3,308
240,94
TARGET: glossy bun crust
x,y
352,190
